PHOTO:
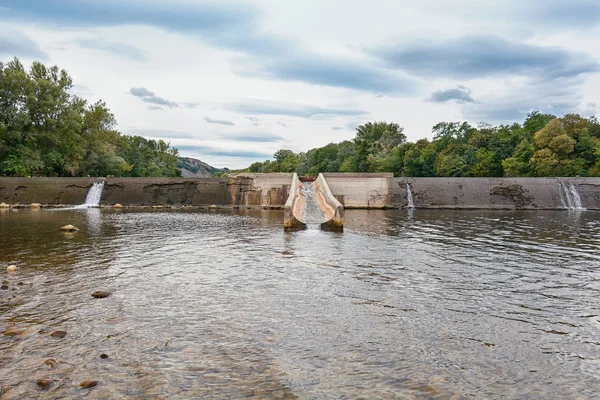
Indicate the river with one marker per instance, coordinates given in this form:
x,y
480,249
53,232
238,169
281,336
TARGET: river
x,y
223,304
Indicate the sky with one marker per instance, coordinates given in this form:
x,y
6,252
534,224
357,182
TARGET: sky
x,y
231,82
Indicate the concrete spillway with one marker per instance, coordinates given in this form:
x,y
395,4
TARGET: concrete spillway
x,y
312,205
362,191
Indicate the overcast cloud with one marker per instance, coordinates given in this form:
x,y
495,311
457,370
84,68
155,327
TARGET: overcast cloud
x,y
232,81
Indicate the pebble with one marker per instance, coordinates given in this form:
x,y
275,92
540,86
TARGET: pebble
x,y
44,383
100,294
11,268
13,332
28,332
51,362
4,287
104,356
88,384
58,334
69,228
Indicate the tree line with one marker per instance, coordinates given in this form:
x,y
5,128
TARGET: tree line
x,y
45,130
543,145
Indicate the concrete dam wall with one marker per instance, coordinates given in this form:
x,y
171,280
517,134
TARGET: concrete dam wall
x,y
252,190
351,190
497,193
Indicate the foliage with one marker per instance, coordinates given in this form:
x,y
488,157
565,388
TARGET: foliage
x,y
45,130
542,146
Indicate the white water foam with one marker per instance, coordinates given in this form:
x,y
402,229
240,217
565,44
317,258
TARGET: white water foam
x,y
569,196
409,197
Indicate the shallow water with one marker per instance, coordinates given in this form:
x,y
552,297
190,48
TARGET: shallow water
x,y
224,304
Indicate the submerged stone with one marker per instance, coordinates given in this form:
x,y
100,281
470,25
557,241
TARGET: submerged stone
x,y
88,384
51,362
13,332
28,332
45,383
58,334
11,268
69,228
4,287
117,206
104,356
100,294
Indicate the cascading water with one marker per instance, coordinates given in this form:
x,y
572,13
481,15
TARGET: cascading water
x,y
409,197
313,217
94,194
569,196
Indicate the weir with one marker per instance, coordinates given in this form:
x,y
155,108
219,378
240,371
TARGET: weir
x,y
311,205
569,196
410,202
94,195
270,191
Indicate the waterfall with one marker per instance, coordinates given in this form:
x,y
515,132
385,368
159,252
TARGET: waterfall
x,y
313,217
569,196
409,197
94,194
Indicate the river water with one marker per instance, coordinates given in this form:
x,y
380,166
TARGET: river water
x,y
224,304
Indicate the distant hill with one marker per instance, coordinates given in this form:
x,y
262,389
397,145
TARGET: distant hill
x,y
192,168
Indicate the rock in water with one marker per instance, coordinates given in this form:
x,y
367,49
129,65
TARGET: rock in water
x,y
88,384
213,207
104,356
117,206
4,205
50,362
100,294
11,268
13,331
35,206
45,383
4,287
59,334
69,228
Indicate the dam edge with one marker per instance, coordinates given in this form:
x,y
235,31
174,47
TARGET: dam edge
x,y
352,190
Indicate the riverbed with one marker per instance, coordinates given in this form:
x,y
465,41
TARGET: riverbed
x,y
421,304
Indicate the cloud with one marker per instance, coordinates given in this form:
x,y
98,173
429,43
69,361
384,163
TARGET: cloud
x,y
14,43
218,121
176,15
553,97
578,14
206,150
149,97
256,138
482,56
258,107
159,133
227,25
315,69
119,49
460,95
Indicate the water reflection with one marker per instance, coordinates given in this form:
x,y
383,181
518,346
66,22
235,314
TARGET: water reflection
x,y
224,304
